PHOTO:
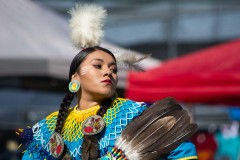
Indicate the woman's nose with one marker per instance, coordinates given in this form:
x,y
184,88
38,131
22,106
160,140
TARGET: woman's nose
x,y
107,72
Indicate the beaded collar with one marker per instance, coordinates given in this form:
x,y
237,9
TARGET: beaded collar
x,y
72,129
82,115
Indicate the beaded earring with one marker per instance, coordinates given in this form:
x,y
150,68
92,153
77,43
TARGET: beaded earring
x,y
74,86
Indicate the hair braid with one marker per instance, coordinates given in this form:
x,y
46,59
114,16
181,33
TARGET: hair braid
x,y
90,142
63,111
61,117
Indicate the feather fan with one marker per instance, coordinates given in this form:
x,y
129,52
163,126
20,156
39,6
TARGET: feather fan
x,y
160,129
86,25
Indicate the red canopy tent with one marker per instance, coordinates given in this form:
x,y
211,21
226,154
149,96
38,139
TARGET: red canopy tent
x,y
210,75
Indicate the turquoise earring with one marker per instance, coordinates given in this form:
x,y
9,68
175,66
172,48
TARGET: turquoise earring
x,y
74,86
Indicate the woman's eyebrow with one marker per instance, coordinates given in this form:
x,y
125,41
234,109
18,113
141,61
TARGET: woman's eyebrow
x,y
97,59
112,64
101,60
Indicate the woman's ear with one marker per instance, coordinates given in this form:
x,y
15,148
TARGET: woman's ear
x,y
75,76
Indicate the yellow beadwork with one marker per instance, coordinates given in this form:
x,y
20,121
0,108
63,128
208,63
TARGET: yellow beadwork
x,y
72,129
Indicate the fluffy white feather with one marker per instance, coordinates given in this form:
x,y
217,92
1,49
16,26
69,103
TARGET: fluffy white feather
x,y
131,60
86,25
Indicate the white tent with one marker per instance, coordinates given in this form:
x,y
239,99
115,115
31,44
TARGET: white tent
x,y
35,41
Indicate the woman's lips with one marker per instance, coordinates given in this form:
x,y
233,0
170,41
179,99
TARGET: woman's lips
x,y
108,81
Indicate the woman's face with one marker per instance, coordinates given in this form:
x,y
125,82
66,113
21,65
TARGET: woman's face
x,y
97,75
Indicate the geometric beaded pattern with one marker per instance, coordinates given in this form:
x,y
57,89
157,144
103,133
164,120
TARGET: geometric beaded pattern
x,y
38,148
113,110
72,129
120,113
129,110
118,154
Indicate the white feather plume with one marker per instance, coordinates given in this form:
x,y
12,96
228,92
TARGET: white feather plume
x,y
131,60
86,25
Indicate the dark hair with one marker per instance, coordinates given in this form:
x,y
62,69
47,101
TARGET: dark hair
x,y
90,143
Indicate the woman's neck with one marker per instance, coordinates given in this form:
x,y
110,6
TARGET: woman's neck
x,y
86,103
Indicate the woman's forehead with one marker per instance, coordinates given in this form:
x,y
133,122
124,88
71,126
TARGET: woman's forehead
x,y
99,56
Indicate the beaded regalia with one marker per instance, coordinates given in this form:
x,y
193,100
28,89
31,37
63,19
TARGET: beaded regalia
x,y
118,116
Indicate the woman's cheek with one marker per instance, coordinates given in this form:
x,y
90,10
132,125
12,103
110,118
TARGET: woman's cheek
x,y
86,69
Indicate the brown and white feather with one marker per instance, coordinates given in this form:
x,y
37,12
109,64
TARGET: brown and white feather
x,y
160,129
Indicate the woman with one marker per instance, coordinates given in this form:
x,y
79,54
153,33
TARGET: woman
x,y
76,133
96,70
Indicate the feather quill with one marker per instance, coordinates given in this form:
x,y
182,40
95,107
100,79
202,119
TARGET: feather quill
x,y
160,129
86,25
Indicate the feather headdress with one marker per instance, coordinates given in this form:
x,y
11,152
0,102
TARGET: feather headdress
x,y
86,30
86,25
160,129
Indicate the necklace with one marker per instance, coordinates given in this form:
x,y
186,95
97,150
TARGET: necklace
x,y
82,115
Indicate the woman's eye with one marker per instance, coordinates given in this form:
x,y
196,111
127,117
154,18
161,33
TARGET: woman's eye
x,y
115,70
98,66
